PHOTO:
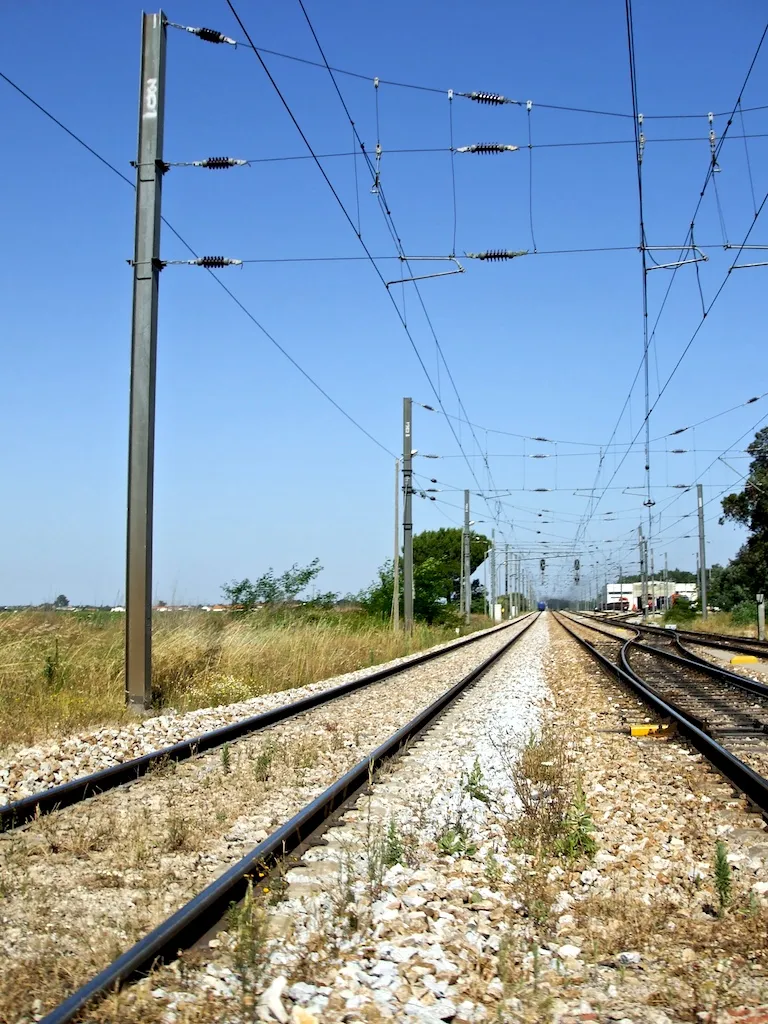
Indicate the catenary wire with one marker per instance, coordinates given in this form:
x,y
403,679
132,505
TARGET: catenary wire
x,y
396,238
710,169
434,89
215,277
335,194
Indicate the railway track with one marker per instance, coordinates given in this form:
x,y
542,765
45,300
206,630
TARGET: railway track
x,y
680,638
184,927
725,716
18,812
717,641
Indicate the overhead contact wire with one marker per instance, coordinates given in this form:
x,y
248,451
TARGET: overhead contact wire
x,y
215,277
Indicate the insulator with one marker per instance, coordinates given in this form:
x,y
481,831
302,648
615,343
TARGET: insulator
x,y
541,439
219,163
749,401
680,430
678,451
538,455
210,35
492,98
487,147
215,262
495,255
432,480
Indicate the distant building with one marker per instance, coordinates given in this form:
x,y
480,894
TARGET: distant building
x,y
627,596
118,608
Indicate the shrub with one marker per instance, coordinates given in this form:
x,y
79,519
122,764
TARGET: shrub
x,y
744,614
681,611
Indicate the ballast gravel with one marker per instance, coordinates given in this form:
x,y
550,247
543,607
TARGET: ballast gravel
x,y
33,769
118,864
471,924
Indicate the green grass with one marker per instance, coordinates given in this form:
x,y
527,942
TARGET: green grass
x,y
63,671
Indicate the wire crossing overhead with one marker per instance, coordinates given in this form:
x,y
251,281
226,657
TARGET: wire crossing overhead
x,y
488,98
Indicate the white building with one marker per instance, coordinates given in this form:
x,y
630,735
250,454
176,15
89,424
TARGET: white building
x,y
627,596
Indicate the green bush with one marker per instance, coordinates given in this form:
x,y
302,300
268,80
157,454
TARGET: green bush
x,y
744,613
681,611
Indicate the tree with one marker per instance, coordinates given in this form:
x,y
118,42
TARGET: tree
x,y
443,548
436,575
269,589
747,574
62,601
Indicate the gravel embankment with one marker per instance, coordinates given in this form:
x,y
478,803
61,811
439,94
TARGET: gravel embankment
x,y
83,883
634,932
756,670
32,769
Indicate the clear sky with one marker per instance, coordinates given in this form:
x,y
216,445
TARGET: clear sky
x,y
254,468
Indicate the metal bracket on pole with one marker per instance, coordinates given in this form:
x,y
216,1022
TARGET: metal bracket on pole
x,y
425,277
700,257
744,248
141,444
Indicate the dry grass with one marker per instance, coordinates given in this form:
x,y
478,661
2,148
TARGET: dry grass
x,y
720,622
60,672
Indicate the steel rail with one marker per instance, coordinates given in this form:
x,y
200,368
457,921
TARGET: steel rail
x,y
690,637
188,924
19,812
741,644
752,785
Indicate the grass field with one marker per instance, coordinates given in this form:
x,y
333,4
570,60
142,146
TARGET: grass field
x,y
63,671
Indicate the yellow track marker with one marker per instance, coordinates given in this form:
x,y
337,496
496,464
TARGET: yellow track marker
x,y
743,659
649,729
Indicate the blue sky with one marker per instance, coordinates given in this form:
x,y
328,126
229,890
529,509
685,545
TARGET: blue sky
x,y
253,466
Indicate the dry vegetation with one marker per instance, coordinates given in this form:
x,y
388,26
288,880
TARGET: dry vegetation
x,y
60,672
722,622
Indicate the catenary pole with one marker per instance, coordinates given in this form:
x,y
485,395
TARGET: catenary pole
x,y
492,574
653,584
506,580
141,428
407,516
396,557
643,572
467,563
702,552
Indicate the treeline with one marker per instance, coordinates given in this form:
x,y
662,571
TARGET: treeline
x,y
733,587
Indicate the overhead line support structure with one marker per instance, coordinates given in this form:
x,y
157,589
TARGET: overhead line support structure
x,y
466,554
408,514
141,443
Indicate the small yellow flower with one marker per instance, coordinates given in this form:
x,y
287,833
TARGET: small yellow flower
x,y
265,889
